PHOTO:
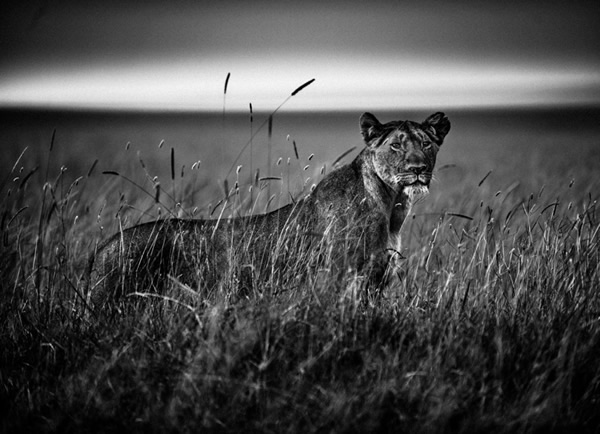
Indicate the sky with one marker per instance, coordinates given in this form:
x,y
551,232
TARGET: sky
x,y
175,55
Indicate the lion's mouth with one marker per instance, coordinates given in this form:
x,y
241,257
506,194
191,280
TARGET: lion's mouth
x,y
412,180
416,180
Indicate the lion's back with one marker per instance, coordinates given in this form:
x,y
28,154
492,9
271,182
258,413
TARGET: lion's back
x,y
197,253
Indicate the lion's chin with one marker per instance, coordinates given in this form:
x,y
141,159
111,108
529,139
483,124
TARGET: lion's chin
x,y
416,191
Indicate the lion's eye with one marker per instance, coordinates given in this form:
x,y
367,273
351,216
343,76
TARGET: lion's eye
x,y
426,145
397,146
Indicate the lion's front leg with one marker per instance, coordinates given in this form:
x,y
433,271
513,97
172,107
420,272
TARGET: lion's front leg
x,y
399,214
386,258
376,267
376,270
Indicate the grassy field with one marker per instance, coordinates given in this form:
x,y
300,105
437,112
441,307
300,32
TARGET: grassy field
x,y
494,326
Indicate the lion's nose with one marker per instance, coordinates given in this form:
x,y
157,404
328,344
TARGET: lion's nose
x,y
416,168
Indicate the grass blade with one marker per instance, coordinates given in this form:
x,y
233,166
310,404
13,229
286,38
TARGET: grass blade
x,y
308,83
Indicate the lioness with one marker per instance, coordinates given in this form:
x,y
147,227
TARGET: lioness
x,y
351,220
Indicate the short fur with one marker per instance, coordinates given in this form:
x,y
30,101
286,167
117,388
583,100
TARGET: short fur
x,y
353,217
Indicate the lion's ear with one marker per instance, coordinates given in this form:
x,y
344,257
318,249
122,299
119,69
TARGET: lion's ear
x,y
370,127
440,125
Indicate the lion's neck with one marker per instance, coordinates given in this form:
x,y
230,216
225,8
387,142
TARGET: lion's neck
x,y
377,192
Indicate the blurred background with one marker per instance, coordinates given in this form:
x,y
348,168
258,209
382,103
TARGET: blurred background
x,y
375,55
126,81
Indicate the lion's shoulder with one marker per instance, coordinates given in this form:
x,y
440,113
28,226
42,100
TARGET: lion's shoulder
x,y
340,184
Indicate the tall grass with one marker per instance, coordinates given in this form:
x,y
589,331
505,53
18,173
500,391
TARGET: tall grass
x,y
492,324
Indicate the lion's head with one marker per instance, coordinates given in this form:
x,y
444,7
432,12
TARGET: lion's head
x,y
403,152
